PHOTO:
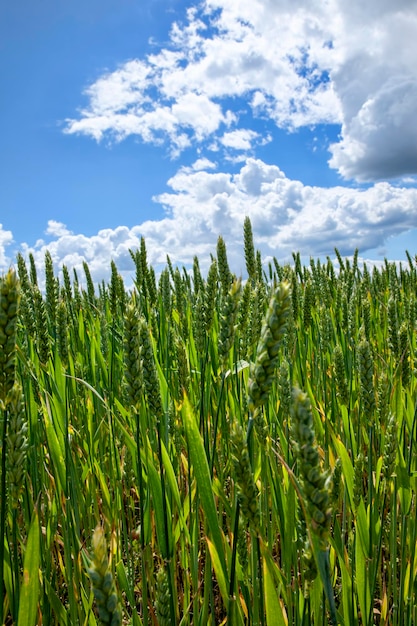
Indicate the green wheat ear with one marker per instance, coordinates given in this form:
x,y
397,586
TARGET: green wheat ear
x,y
104,590
273,330
390,448
228,318
17,444
225,274
249,250
247,490
314,480
62,331
340,375
150,375
162,604
366,375
9,303
133,377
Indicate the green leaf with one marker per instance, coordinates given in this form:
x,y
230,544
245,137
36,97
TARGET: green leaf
x,y
238,367
56,447
348,472
362,526
127,588
29,593
169,472
215,559
202,475
403,482
158,502
102,478
323,565
56,604
274,614
362,577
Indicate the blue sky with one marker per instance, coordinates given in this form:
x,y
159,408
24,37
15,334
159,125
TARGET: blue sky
x,y
173,120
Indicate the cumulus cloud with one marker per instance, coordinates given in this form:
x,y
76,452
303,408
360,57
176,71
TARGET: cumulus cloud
x,y
240,139
277,63
203,164
377,86
282,63
57,229
287,216
297,63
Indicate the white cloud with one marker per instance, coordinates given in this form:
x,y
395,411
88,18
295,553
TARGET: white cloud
x,y
286,217
203,164
57,229
377,86
199,113
295,63
97,250
183,89
6,239
380,141
241,139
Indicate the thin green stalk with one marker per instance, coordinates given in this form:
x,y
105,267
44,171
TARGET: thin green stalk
x,y
413,429
256,591
69,570
16,580
306,616
393,555
261,586
168,550
142,521
216,425
376,559
232,598
203,420
373,507
194,547
411,606
402,574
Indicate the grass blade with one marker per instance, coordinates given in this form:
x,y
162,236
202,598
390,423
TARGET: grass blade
x,y
29,594
202,475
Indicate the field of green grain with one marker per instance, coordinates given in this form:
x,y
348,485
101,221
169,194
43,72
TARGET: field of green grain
x,y
203,450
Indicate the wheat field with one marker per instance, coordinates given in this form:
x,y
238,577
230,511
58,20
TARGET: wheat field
x,y
205,449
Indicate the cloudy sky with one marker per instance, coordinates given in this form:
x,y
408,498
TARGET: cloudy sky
x,y
174,119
